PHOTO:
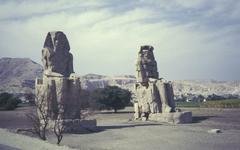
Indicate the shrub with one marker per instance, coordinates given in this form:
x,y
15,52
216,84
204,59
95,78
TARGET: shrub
x,y
111,97
8,101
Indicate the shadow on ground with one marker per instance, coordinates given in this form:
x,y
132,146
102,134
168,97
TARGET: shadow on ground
x,y
102,128
87,130
6,147
121,112
198,119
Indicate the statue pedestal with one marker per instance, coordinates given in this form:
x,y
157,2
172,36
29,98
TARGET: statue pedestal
x,y
60,97
76,125
173,117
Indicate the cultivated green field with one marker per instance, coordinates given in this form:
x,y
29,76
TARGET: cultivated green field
x,y
228,103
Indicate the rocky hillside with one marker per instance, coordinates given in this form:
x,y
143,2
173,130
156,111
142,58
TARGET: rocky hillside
x,y
181,87
17,75
206,87
93,81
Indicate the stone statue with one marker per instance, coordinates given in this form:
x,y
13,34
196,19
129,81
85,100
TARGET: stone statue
x,y
59,86
146,65
56,58
59,89
154,96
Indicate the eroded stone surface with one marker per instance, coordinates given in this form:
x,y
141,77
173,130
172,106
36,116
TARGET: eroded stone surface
x,y
56,58
59,89
154,96
77,125
146,64
60,95
174,117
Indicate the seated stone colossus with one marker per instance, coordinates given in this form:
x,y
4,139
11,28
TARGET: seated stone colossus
x,y
154,95
58,92
59,88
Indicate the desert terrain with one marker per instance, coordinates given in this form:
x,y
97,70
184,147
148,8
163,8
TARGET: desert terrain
x,y
118,131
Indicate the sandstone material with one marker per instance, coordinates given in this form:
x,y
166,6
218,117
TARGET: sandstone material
x,y
173,117
154,96
59,89
77,125
61,95
146,64
56,57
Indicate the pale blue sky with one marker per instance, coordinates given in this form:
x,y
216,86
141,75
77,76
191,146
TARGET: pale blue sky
x,y
198,39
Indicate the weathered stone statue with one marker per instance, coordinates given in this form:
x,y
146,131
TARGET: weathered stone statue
x,y
154,96
59,89
146,65
56,57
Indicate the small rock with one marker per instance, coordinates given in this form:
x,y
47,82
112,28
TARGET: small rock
x,y
214,131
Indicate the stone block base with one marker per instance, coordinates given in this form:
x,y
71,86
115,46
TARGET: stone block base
x,y
174,117
77,125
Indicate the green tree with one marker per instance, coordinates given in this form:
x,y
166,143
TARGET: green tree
x,y
112,97
8,101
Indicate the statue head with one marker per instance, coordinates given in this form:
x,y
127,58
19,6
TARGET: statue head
x,y
57,42
146,52
146,65
57,60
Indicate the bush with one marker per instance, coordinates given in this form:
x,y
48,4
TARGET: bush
x,y
111,97
214,97
8,101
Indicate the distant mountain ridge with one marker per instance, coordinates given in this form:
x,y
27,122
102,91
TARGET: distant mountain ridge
x,y
17,75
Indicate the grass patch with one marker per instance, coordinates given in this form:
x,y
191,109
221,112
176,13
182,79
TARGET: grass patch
x,y
187,104
228,103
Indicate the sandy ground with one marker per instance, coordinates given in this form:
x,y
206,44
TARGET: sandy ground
x,y
117,132
15,119
12,141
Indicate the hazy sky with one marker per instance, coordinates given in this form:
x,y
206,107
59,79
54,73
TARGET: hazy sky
x,y
193,39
